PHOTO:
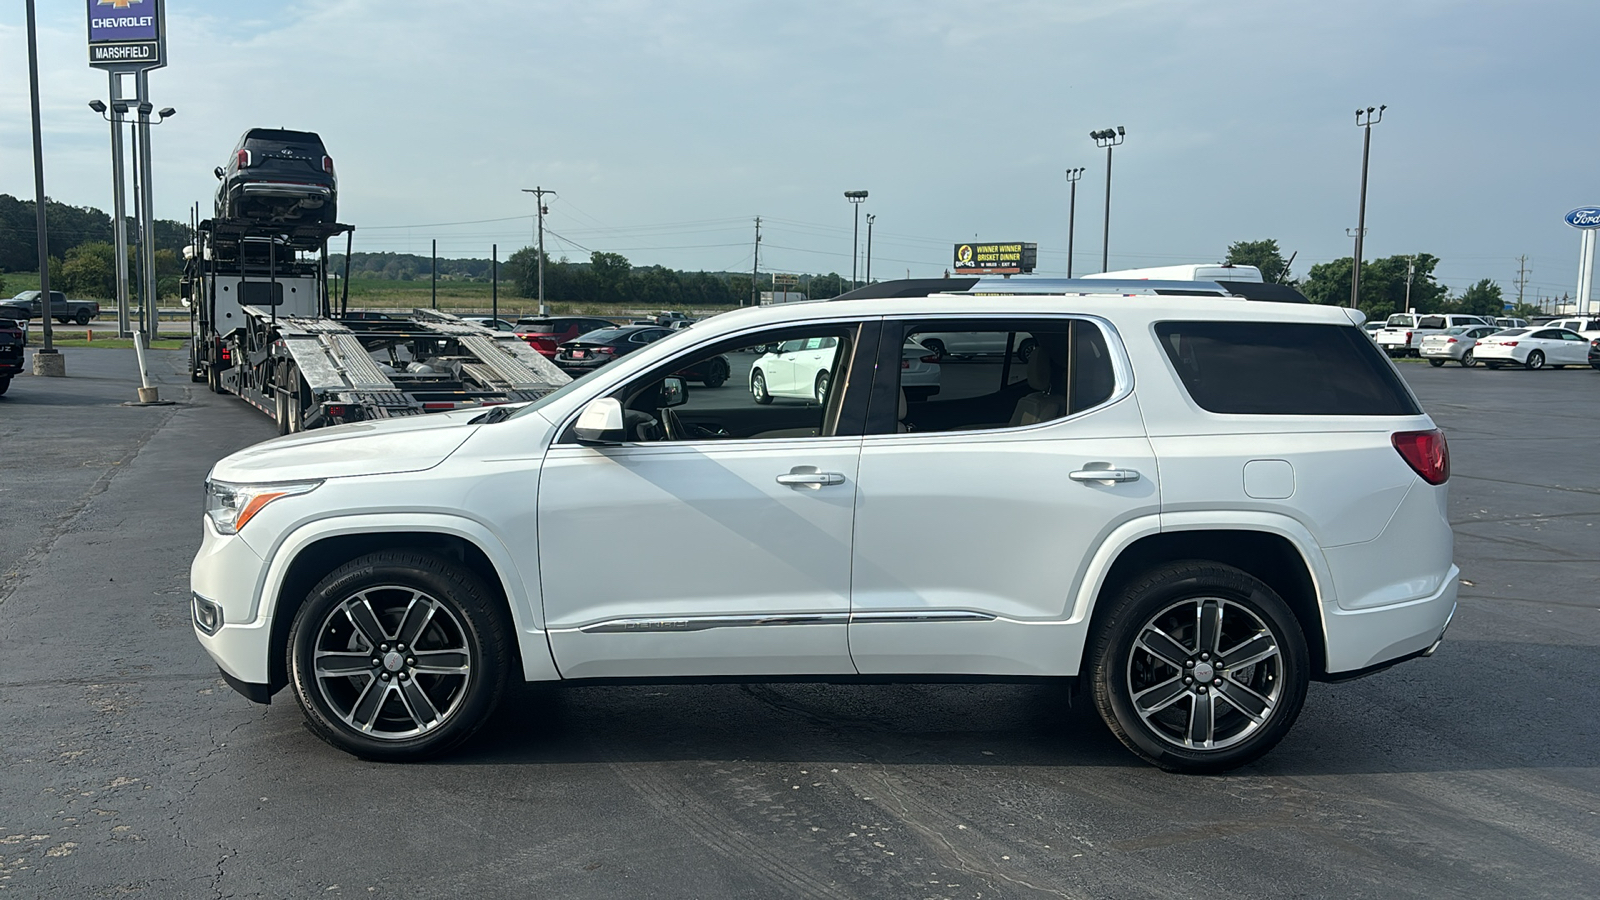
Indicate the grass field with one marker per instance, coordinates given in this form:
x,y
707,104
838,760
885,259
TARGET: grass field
x,y
104,343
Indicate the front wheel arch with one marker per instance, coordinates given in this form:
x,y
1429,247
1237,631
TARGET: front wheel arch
x,y
315,560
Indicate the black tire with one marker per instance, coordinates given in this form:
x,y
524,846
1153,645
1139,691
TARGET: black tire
x,y
1493,365
1025,349
281,412
717,374
758,387
65,320
935,346
196,373
820,389
466,632
1161,609
1436,363
83,317
1535,361
5,384
1468,360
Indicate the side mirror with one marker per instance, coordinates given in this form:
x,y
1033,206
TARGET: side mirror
x,y
601,422
674,392
218,172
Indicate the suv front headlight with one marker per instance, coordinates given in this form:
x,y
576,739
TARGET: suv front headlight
x,y
230,506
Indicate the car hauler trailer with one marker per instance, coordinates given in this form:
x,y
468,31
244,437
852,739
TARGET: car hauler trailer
x,y
264,327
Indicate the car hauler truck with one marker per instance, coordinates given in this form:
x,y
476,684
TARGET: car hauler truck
x,y
264,327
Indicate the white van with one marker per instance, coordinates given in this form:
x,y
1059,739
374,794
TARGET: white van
x,y
1206,272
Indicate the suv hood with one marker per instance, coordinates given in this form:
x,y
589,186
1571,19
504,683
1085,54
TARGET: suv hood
x,y
383,447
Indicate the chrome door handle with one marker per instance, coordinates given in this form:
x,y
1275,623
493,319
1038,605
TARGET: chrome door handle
x,y
810,479
1115,475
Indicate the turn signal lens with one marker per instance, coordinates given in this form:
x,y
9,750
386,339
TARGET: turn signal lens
x,y
230,506
1426,452
243,159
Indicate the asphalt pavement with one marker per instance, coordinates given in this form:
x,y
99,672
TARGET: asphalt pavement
x,y
127,767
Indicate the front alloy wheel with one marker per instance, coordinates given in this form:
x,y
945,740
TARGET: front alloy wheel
x,y
398,655
1199,667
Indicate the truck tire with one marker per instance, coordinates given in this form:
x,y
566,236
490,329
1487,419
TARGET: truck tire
x,y
83,317
5,384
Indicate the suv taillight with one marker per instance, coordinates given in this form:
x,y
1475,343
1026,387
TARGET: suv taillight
x,y
1426,452
242,158
327,164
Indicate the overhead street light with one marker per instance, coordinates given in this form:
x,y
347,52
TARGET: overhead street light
x,y
119,223
1365,119
855,198
1107,138
1072,212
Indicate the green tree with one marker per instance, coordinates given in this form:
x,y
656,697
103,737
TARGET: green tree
x,y
1264,255
1525,311
90,270
1383,285
1482,299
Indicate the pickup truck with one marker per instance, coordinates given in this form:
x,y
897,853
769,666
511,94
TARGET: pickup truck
x,y
26,306
12,339
1402,333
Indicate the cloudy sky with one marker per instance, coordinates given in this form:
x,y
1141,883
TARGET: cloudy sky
x,y
667,127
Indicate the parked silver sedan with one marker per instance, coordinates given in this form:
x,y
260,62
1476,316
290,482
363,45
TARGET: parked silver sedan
x,y
1454,344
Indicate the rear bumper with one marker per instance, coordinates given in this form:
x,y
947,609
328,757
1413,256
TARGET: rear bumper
x,y
1364,639
285,189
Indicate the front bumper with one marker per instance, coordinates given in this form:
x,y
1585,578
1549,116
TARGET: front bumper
x,y
226,572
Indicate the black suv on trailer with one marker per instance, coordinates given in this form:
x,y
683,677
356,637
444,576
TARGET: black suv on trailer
x,y
278,176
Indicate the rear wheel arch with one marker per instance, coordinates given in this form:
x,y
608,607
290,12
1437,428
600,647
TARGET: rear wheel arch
x,y
316,559
1268,556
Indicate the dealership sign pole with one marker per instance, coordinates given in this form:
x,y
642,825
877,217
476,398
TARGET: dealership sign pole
x,y
1586,219
129,37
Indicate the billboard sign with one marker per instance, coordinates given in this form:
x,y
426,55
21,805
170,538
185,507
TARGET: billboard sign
x,y
127,34
1013,258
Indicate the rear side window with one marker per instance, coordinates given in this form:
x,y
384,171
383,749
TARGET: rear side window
x,y
1284,368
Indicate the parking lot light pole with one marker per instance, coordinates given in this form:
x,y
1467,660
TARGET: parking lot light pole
x,y
1365,119
1108,138
871,217
1072,212
855,198
47,360
119,203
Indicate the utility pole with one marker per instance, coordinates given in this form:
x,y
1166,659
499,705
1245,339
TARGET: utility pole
x,y
1522,276
1411,270
1365,119
871,217
538,193
433,264
755,267
1108,138
494,281
1072,212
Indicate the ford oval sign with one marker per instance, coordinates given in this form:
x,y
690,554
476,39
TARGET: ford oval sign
x,y
1584,217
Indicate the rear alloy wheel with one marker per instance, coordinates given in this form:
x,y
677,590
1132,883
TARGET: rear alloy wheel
x,y
1025,349
758,387
935,346
1535,361
1468,360
1199,667
83,317
821,389
399,655
1494,365
716,374
1436,363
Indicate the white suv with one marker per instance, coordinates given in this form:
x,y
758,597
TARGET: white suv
x,y
1193,505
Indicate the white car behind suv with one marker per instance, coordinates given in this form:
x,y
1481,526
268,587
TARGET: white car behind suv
x,y
1192,506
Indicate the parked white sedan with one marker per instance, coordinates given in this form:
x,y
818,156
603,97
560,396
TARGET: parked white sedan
x,y
1455,344
798,369
1533,348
